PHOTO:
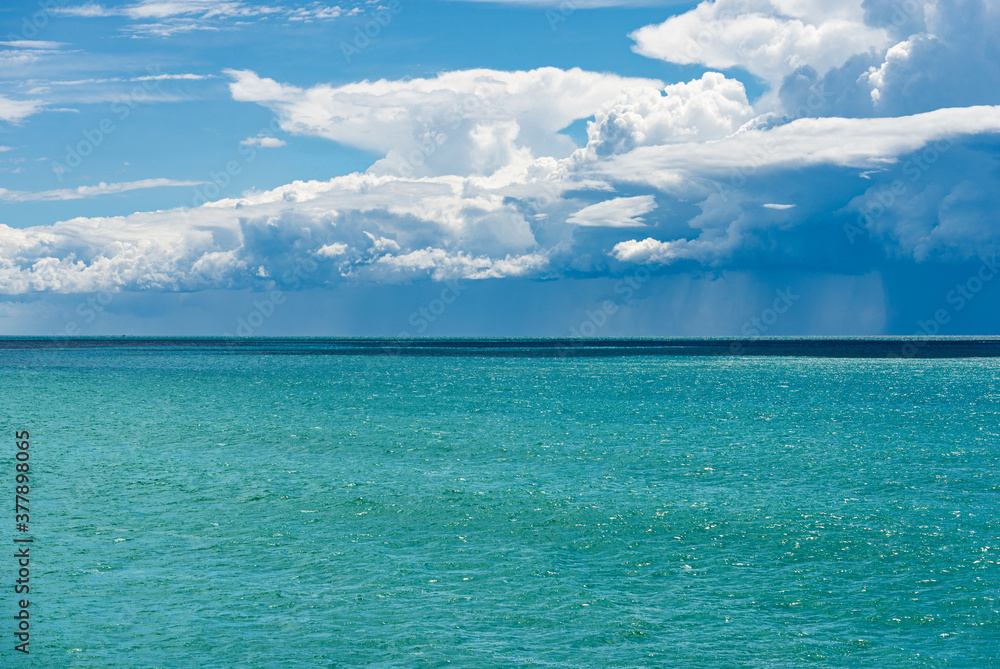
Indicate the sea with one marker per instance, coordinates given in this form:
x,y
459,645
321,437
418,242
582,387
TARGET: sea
x,y
375,502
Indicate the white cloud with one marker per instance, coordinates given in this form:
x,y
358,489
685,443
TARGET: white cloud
x,y
572,5
442,265
173,77
317,13
852,58
647,251
13,111
332,250
14,58
82,192
710,248
476,180
622,212
768,39
39,45
923,223
709,108
465,122
161,9
142,251
170,27
89,10
953,62
861,143
899,53
358,227
380,245
164,18
388,229
264,142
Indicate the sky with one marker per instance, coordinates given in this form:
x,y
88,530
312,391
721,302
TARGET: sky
x,y
561,168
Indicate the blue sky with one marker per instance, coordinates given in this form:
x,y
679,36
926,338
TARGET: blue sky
x,y
575,167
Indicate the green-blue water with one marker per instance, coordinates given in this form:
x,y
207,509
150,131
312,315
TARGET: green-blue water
x,y
198,509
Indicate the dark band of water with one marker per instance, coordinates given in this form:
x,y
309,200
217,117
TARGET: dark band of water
x,y
854,347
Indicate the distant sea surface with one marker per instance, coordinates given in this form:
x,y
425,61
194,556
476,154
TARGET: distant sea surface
x,y
265,503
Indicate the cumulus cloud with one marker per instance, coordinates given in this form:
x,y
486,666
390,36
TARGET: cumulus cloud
x,y
768,39
956,61
387,228
937,205
465,122
876,57
942,54
475,179
357,228
332,250
709,108
263,141
141,251
876,139
648,250
442,265
724,229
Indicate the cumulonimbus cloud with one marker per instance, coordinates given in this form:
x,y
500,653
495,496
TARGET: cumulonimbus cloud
x,y
476,177
464,122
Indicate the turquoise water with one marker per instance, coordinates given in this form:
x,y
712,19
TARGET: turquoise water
x,y
199,509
